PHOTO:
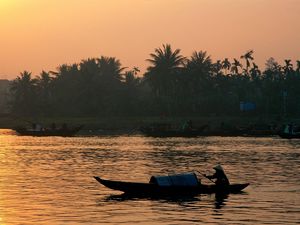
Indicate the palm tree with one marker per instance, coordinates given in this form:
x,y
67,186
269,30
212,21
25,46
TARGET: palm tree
x,y
66,86
23,84
248,57
24,94
235,66
110,68
44,83
288,67
129,78
44,80
89,67
200,61
165,63
217,67
272,65
298,66
254,72
109,85
200,64
199,68
165,59
136,70
226,65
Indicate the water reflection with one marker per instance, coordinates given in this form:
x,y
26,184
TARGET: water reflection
x,y
50,180
220,200
171,199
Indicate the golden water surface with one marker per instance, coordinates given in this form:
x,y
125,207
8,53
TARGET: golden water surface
x,y
49,180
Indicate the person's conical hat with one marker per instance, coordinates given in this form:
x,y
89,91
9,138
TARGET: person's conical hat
x,y
219,167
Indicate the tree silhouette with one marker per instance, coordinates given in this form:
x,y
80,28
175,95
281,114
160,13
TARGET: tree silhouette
x,y
172,84
165,64
24,94
248,57
255,72
136,70
288,67
44,89
110,68
199,67
235,66
298,66
226,65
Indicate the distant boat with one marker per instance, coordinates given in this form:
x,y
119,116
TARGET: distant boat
x,y
64,131
182,184
290,132
166,130
289,136
241,132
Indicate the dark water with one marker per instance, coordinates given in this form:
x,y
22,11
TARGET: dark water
x,y
49,180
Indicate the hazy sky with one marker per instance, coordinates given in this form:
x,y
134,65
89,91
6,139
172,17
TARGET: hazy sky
x,y
38,35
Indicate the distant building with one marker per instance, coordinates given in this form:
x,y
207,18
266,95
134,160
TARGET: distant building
x,y
247,106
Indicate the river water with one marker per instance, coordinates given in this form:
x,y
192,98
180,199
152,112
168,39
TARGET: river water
x,y
49,180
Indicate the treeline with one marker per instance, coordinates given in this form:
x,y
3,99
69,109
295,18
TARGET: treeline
x,y
173,85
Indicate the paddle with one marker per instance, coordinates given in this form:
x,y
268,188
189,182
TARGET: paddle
x,y
205,176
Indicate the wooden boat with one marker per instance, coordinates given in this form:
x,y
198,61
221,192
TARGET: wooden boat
x,y
165,130
289,135
154,189
290,131
64,132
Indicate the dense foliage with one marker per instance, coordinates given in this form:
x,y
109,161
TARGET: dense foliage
x,y
172,85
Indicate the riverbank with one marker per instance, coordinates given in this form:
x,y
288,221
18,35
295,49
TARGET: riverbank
x,y
131,124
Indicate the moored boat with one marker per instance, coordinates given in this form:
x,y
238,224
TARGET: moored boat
x,y
64,132
290,131
166,130
289,135
179,187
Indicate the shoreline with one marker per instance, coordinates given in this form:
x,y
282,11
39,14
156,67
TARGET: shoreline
x,y
126,123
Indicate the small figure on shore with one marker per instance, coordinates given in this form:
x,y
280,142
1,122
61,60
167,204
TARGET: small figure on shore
x,y
220,176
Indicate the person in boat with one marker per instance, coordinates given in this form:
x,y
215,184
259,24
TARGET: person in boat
x,y
291,128
219,176
38,127
187,125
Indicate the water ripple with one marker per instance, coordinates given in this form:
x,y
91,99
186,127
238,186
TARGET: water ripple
x,y
49,180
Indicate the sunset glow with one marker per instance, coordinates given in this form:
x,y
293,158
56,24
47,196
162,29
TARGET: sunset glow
x,y
40,35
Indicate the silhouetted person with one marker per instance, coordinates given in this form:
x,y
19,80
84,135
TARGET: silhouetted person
x,y
190,124
187,125
219,175
290,128
38,127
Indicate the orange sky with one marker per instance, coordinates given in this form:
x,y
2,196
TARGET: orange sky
x,y
38,35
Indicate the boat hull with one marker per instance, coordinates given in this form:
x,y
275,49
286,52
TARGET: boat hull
x,y
151,189
289,136
48,132
148,131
